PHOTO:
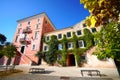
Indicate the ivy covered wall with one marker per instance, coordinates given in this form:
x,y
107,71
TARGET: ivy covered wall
x,y
54,52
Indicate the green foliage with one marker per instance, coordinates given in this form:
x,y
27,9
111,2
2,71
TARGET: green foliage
x,y
2,38
9,51
88,38
101,11
108,41
51,55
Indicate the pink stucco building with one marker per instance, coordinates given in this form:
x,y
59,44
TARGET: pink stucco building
x,y
28,37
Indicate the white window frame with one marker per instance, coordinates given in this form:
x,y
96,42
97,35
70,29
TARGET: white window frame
x,y
44,48
71,45
82,44
77,32
58,36
67,34
36,35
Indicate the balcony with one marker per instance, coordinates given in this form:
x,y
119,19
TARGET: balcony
x,y
24,41
27,30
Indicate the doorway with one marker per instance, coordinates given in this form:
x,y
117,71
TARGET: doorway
x,y
71,60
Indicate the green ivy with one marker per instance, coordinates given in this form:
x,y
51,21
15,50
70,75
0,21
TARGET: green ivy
x,y
88,40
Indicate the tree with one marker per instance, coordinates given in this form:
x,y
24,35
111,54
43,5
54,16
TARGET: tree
x,y
2,38
9,51
101,11
51,55
108,41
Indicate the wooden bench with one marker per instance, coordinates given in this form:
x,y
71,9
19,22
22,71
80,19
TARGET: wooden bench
x,y
91,72
36,70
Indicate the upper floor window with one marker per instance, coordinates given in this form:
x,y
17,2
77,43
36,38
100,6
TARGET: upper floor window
x,y
70,45
79,32
68,34
81,43
93,30
33,47
84,25
45,48
38,20
20,25
29,23
22,49
37,26
59,36
36,35
60,47
18,30
46,22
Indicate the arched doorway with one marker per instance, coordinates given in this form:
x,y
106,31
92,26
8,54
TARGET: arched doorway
x,y
71,60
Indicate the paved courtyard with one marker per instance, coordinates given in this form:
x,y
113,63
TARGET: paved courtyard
x,y
62,73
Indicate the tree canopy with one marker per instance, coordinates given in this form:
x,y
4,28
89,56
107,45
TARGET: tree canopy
x,y
101,11
108,41
2,38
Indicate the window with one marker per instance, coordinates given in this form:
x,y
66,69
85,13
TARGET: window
x,y
60,47
22,49
25,37
33,47
47,38
68,34
79,32
36,35
38,19
70,45
29,23
45,22
59,36
20,25
84,25
18,30
93,30
16,39
81,43
45,48
37,26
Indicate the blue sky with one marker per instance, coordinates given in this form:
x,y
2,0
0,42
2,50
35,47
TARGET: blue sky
x,y
63,13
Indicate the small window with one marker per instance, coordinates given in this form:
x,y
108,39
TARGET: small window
x,y
59,36
60,47
93,30
70,45
36,35
18,30
33,47
29,23
16,39
47,38
59,57
84,25
79,32
45,48
37,26
68,34
81,43
38,19
20,25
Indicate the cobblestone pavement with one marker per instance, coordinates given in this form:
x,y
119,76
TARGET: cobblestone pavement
x,y
45,77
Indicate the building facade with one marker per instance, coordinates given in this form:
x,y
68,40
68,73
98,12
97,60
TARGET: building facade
x,y
30,32
28,37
